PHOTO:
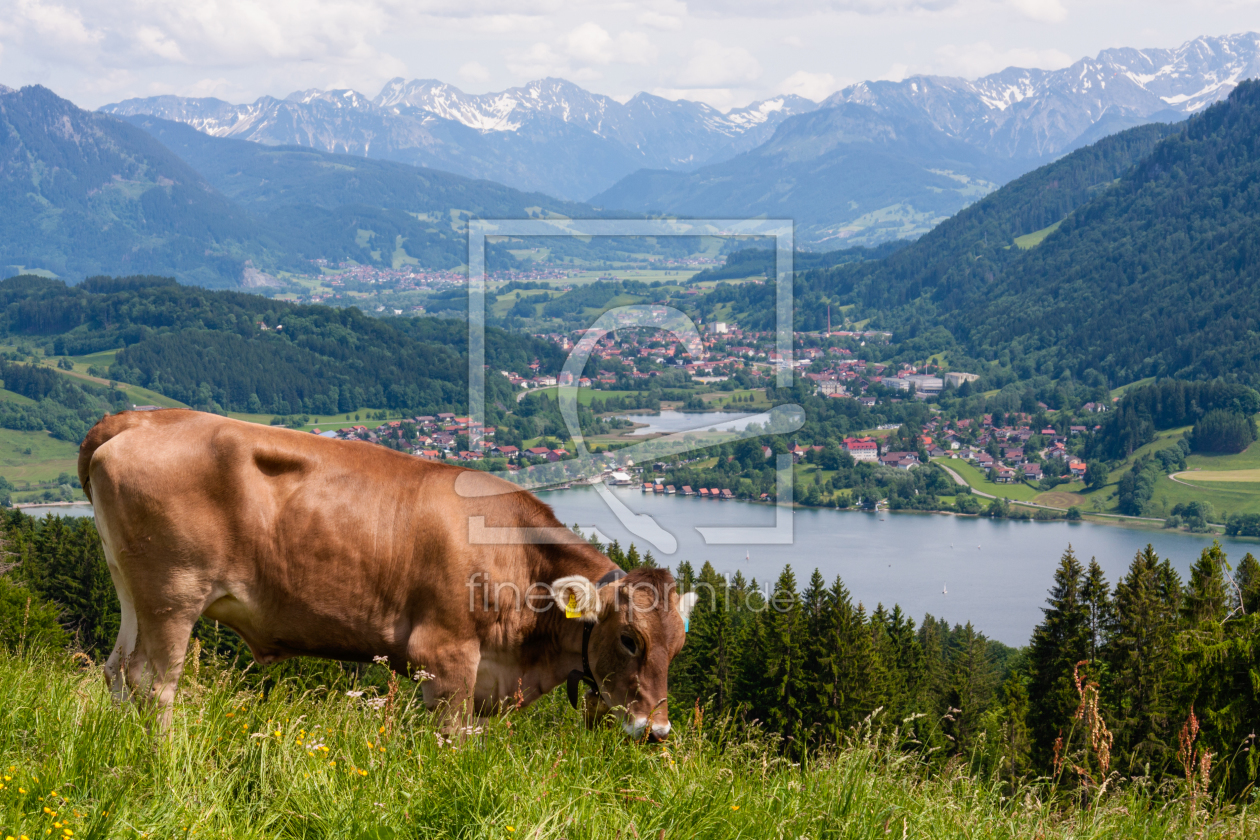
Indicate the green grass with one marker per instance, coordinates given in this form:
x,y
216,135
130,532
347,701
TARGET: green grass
x,y
585,395
727,398
972,475
312,762
1119,392
48,458
324,423
1226,497
9,396
1247,460
1032,240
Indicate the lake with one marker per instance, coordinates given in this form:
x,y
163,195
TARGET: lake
x,y
670,422
996,571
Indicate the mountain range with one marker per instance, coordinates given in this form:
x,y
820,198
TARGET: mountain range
x,y
1136,256
85,193
942,141
874,161
548,136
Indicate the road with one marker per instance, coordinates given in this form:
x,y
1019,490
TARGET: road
x,y
958,479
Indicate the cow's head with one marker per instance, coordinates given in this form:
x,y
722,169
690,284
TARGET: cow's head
x,y
640,625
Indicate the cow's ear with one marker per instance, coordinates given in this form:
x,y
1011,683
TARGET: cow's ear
x,y
577,597
685,603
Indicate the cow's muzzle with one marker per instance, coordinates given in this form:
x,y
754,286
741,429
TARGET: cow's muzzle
x,y
640,728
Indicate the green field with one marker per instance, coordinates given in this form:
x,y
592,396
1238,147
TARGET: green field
x,y
303,759
1032,240
724,398
1226,497
1119,392
585,395
35,456
1210,477
972,475
324,423
9,396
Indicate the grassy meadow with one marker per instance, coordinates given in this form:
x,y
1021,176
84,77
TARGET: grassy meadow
x,y
306,758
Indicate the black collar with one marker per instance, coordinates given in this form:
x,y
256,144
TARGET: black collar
x,y
587,676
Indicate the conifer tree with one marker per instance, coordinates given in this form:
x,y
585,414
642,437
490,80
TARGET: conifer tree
x,y
1096,593
971,691
898,648
708,664
1015,735
1059,642
1139,658
1205,592
783,686
1247,581
615,554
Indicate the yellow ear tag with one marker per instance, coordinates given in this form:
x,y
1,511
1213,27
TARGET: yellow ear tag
x,y
572,611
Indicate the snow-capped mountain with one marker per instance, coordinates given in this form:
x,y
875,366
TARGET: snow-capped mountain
x,y
873,161
1035,115
554,137
550,135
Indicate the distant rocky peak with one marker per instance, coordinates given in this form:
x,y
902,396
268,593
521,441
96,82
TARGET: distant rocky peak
x,y
337,98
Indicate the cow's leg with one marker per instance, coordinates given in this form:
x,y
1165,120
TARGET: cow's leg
x,y
121,655
157,662
451,667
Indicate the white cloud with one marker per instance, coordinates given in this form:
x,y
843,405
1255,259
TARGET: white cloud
x,y
779,9
590,43
715,65
474,71
895,73
980,59
656,20
578,52
815,86
538,61
1049,11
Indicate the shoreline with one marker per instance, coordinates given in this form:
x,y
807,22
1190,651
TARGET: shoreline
x,y
1131,523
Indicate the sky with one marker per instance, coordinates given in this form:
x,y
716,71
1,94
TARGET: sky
x,y
724,53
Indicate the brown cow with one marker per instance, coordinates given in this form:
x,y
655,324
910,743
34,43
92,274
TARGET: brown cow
x,y
307,546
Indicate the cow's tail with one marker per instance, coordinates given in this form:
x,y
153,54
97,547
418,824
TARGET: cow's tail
x,y
96,437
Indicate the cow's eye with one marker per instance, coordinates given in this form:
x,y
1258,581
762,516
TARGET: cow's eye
x,y
628,642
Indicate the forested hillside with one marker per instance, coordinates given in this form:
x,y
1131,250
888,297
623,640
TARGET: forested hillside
x,y
317,203
82,193
912,285
1154,274
223,350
